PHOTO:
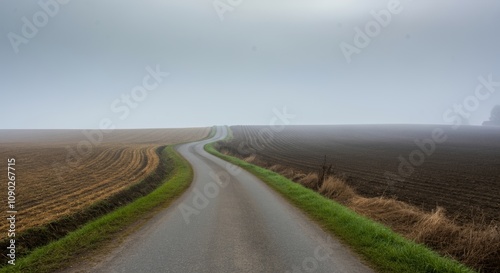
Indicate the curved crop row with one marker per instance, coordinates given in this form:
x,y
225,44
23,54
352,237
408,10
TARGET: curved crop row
x,y
48,187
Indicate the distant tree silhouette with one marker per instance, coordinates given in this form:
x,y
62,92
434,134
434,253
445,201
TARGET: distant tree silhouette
x,y
494,118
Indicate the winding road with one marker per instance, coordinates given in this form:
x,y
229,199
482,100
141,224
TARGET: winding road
x,y
228,221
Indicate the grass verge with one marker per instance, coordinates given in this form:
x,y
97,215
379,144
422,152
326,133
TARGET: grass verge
x,y
38,236
385,250
60,253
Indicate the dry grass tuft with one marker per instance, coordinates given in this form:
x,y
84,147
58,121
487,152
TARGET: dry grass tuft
x,y
250,158
476,245
297,177
337,189
276,168
480,247
310,181
400,216
432,227
287,172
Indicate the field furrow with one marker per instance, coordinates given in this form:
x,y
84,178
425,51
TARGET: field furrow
x,y
461,174
55,178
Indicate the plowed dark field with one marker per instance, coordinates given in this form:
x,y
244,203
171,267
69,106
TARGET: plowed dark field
x,y
462,174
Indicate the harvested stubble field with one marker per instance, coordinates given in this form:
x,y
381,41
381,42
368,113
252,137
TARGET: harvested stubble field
x,y
451,202
58,174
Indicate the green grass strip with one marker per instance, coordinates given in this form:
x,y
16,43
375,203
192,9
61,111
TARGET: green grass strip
x,y
60,253
385,250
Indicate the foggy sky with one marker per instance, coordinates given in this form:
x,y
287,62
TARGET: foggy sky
x,y
86,57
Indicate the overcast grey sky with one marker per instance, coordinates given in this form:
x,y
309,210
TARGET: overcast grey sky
x,y
72,64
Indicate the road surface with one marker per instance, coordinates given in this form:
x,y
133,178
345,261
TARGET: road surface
x,y
228,221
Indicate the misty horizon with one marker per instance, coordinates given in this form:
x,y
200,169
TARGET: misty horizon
x,y
179,64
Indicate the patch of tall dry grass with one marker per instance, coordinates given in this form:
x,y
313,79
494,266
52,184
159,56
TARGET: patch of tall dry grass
x,y
337,189
310,180
475,244
250,158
